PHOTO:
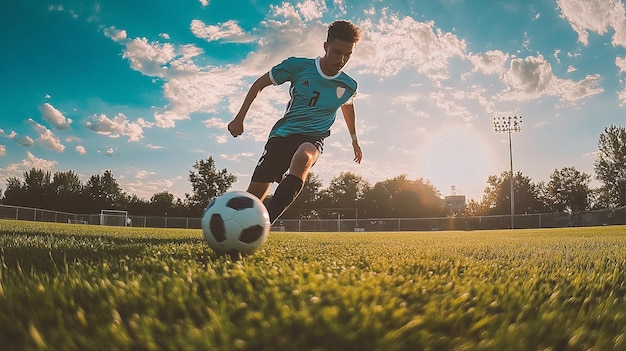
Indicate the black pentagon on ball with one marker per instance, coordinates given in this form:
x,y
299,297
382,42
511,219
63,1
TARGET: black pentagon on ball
x,y
216,225
251,234
240,203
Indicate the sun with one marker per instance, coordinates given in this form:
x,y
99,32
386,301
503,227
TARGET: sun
x,y
456,156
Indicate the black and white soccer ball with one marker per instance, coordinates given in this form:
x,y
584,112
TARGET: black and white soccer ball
x,y
235,223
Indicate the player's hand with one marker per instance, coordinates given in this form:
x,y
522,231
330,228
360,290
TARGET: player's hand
x,y
235,127
358,154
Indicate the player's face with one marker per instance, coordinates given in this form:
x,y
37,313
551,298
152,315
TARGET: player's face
x,y
337,55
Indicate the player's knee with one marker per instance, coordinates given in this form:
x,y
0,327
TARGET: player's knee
x,y
306,155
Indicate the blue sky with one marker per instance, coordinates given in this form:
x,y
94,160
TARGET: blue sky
x,y
146,88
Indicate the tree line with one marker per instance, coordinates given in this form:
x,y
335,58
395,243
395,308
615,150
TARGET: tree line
x,y
348,194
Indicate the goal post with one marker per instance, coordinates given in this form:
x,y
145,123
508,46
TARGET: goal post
x,y
114,218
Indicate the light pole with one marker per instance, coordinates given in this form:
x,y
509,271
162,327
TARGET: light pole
x,y
508,125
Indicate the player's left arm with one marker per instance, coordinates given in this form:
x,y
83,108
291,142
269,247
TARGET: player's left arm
x,y
349,116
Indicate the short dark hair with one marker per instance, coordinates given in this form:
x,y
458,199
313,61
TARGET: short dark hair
x,y
343,30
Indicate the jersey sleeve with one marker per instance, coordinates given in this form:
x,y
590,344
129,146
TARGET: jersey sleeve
x,y
283,71
351,99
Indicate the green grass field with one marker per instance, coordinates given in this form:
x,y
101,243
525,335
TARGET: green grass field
x,y
79,287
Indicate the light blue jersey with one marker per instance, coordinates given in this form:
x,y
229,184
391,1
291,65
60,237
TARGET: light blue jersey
x,y
315,97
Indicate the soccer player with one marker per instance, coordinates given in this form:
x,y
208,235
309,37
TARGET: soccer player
x,y
318,89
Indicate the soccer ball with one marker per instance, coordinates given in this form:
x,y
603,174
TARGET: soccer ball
x,y
235,223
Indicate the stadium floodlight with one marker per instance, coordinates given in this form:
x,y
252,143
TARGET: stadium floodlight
x,y
508,125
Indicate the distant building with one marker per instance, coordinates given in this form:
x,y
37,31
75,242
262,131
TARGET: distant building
x,y
456,203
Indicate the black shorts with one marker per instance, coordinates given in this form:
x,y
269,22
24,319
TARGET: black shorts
x,y
276,157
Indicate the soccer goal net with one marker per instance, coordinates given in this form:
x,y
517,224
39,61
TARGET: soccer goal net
x,y
114,217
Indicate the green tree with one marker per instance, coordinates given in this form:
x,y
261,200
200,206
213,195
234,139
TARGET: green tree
x,y
497,197
403,198
344,191
38,189
610,167
139,206
162,203
207,183
14,194
103,192
67,188
473,208
568,190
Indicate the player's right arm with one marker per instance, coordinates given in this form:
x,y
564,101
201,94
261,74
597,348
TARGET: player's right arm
x,y
235,127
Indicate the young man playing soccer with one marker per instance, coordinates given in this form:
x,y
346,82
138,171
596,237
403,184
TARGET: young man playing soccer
x,y
318,89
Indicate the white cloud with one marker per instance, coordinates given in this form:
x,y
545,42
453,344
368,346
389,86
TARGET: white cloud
x,y
116,127
147,188
450,107
149,58
620,62
569,90
29,163
596,16
215,123
25,141
142,174
54,117
201,92
532,77
490,62
229,31
238,157
529,77
284,35
312,9
11,135
339,5
81,150
46,137
556,54
190,88
204,3
3,150
393,44
621,95
115,34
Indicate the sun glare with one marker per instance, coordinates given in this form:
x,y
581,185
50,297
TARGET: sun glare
x,y
459,157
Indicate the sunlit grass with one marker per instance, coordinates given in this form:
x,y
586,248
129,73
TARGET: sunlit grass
x,y
90,287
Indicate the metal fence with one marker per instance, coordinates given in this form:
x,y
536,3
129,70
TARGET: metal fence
x,y
615,216
40,215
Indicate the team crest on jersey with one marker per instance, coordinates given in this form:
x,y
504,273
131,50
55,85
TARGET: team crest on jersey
x,y
340,91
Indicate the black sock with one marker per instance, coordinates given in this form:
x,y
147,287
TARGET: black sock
x,y
285,194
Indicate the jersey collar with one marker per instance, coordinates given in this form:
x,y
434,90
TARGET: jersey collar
x,y
319,69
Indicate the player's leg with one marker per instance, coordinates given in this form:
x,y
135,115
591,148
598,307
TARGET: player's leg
x,y
259,189
303,159
270,167
289,188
